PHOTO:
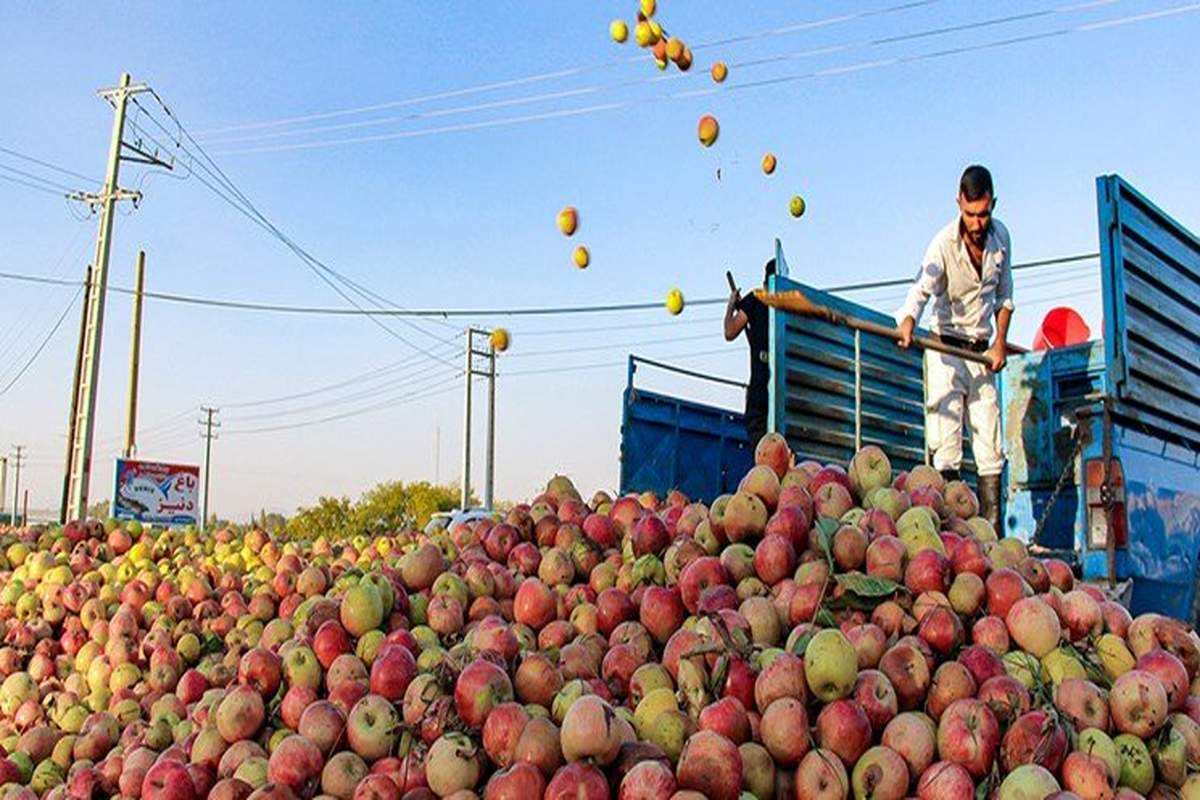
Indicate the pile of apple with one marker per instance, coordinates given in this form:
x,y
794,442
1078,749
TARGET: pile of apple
x,y
822,633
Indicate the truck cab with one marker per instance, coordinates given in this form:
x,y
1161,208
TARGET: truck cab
x,y
1102,438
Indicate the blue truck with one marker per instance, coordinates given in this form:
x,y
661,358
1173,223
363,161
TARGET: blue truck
x,y
1102,438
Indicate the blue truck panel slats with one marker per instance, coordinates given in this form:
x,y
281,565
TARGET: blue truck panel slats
x,y
1151,290
813,391
669,443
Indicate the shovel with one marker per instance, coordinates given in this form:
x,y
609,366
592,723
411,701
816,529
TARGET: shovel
x,y
797,302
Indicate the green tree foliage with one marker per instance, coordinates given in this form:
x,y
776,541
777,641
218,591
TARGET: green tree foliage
x,y
388,507
329,517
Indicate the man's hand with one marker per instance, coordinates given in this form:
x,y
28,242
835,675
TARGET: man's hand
x,y
734,298
906,333
997,354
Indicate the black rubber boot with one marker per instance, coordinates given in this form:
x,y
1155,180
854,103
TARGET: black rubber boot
x,y
989,501
951,475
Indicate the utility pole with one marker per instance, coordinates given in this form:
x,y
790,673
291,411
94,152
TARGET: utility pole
x,y
135,353
3,483
82,426
17,459
468,374
489,473
208,435
73,414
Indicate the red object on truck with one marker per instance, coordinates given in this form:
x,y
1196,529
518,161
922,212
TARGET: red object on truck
x,y
1061,327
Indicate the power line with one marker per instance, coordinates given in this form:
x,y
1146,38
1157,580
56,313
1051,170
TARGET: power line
x,y
31,176
47,165
45,341
653,79
564,73
31,185
19,323
368,375
476,313
846,69
389,403
375,391
248,209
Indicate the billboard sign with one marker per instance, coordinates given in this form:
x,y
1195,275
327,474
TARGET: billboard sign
x,y
157,494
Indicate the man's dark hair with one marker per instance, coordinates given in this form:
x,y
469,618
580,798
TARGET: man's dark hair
x,y
976,182
769,270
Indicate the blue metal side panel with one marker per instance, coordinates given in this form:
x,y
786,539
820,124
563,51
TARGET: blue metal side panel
x,y
1150,275
1038,393
1162,498
668,443
813,386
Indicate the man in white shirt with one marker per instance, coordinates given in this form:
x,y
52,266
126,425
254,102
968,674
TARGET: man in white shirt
x,y
967,273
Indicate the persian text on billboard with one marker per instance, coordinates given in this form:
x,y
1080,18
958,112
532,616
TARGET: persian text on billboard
x,y
160,494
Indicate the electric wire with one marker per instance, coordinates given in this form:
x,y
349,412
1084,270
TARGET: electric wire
x,y
389,403
45,341
654,79
375,391
563,73
479,313
31,185
226,182
251,212
31,176
20,323
727,88
47,165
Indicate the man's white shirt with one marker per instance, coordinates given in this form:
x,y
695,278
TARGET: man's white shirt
x,y
963,303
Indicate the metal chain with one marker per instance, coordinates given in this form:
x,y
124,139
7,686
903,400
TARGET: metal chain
x,y
1067,472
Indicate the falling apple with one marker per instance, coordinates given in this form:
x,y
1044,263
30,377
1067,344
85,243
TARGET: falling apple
x,y
768,164
708,130
643,34
797,206
568,221
499,339
719,72
618,30
674,302
581,257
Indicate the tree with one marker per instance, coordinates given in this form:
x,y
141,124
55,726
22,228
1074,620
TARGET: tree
x,y
98,511
330,517
386,508
394,505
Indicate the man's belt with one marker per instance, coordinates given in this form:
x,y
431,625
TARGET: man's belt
x,y
974,345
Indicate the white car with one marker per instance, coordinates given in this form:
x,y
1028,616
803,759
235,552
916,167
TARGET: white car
x,y
447,519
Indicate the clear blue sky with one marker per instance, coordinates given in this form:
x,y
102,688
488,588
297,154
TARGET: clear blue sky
x,y
466,218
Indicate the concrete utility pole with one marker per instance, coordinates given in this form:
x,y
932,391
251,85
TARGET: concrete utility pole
x,y
73,413
83,404
470,373
489,470
17,459
208,435
135,352
3,483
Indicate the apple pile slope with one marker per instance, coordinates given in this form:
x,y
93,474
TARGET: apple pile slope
x,y
827,631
